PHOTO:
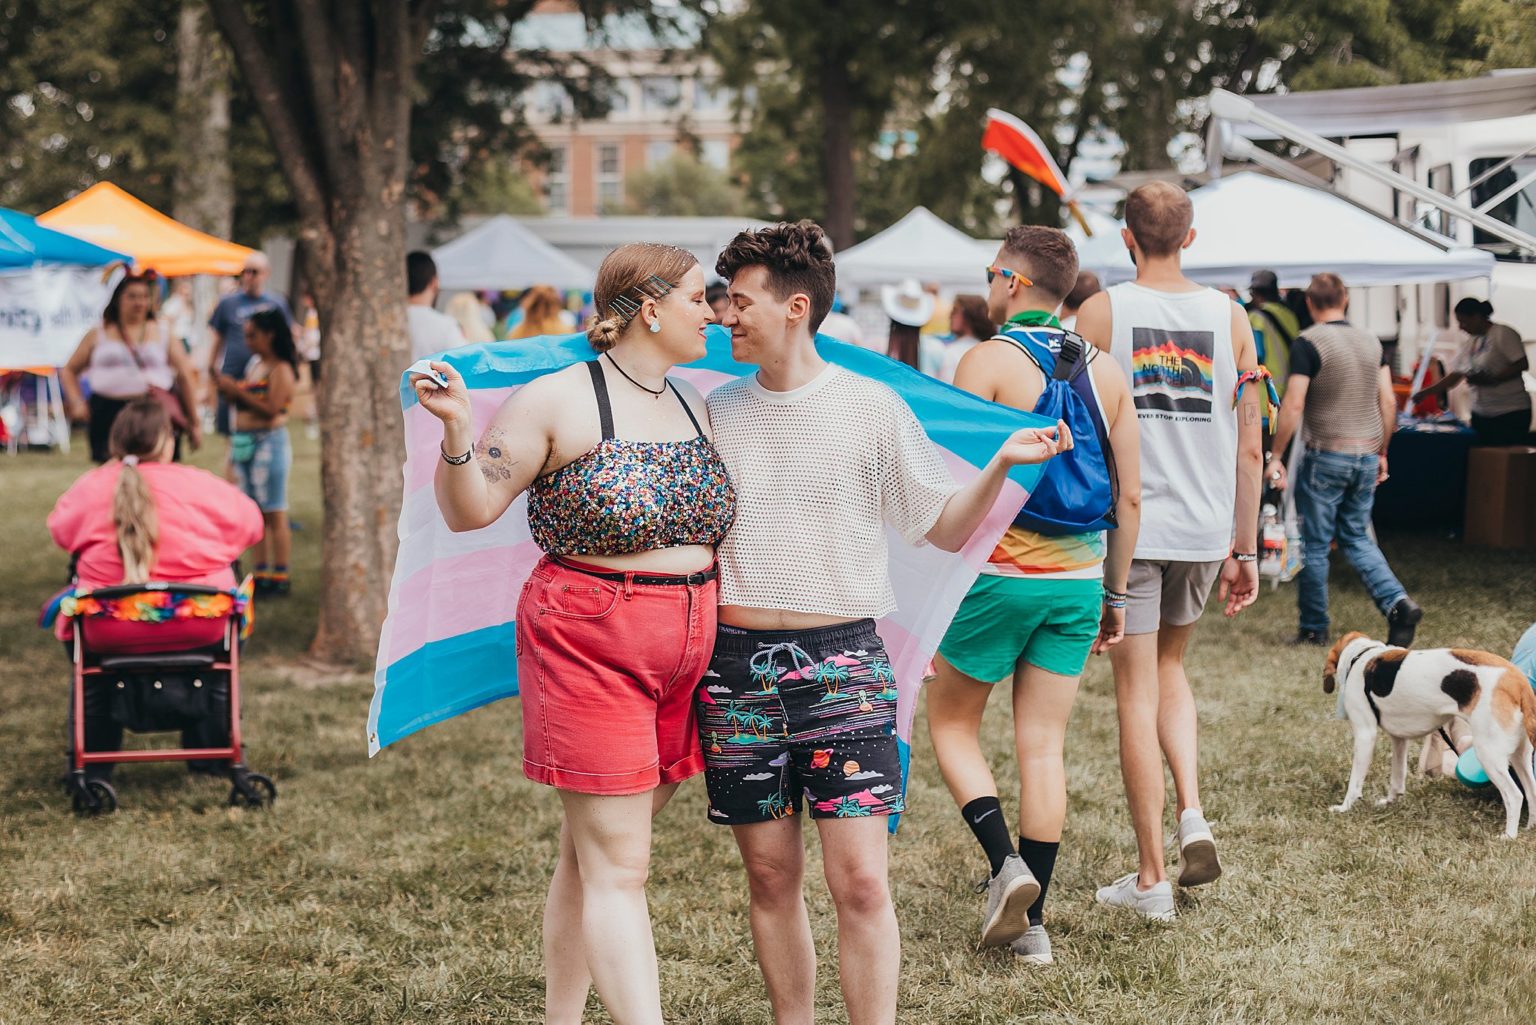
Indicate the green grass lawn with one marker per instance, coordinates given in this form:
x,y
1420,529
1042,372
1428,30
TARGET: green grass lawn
x,y
408,888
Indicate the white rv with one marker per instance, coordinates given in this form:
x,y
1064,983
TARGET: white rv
x,y
1472,142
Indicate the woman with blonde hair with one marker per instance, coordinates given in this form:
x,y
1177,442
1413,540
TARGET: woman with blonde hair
x,y
141,517
465,309
542,311
627,497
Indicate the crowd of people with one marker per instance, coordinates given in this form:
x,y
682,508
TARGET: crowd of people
x,y
739,540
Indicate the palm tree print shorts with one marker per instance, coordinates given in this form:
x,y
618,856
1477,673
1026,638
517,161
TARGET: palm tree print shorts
x,y
801,712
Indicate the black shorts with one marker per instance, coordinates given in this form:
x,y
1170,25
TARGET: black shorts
x,y
812,712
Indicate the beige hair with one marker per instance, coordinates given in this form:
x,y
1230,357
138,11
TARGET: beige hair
x,y
629,275
138,433
541,313
1159,215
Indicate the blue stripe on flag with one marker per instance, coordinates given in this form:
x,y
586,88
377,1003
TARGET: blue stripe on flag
x,y
484,669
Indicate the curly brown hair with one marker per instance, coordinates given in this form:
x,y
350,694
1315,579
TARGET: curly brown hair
x,y
798,259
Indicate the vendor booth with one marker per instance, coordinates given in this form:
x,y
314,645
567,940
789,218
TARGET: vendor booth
x,y
503,254
922,246
1249,221
52,289
108,216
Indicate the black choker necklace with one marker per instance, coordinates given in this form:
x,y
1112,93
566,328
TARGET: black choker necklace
x,y
655,392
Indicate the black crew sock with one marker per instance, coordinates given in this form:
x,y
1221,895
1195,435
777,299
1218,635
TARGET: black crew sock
x,y
1040,856
985,817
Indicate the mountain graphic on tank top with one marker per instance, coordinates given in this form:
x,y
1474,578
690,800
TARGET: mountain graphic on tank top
x,y
1171,370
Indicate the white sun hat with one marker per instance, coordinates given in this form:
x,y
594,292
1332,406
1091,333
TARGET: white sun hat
x,y
907,303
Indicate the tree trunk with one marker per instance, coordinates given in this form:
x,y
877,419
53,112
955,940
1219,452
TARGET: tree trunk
x,y
359,289
837,148
333,84
202,190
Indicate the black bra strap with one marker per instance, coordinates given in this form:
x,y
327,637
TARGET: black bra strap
x,y
604,408
686,408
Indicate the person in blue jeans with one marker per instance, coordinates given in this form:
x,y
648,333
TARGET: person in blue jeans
x,y
1339,393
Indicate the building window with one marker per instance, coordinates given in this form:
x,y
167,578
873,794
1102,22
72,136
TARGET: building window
x,y
659,151
716,153
660,93
551,101
610,177
1517,207
710,96
617,96
557,181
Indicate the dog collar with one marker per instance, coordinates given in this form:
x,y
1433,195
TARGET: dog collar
x,y
1375,647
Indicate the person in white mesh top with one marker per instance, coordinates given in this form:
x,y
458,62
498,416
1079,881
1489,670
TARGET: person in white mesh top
x,y
799,700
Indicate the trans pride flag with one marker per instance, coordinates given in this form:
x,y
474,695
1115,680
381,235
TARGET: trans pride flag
x,y
448,642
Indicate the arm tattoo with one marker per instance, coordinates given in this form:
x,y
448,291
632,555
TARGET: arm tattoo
x,y
1250,414
495,466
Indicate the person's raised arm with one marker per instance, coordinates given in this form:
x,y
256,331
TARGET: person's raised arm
x,y
510,455
1240,579
1095,320
966,508
1125,442
69,377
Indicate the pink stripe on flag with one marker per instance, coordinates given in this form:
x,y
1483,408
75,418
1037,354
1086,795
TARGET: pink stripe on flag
x,y
458,595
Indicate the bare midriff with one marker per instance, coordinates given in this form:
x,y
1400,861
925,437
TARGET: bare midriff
x,y
746,618
678,561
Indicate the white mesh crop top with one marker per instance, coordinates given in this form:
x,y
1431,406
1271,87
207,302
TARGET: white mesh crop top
x,y
819,472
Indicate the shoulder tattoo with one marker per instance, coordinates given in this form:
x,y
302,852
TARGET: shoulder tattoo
x,y
495,464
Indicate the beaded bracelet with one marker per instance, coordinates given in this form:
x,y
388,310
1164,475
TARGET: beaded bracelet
x,y
1245,556
455,460
1114,599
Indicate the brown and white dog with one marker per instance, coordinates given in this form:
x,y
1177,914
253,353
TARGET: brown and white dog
x,y
1411,693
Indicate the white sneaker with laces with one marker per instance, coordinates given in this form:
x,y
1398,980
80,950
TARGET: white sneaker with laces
x,y
1154,903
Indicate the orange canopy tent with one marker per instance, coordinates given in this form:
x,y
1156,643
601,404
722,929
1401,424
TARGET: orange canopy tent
x,y
110,217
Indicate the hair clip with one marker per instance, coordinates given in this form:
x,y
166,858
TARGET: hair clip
x,y
661,284
625,306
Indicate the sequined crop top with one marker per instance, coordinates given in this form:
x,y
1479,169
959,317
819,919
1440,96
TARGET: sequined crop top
x,y
632,496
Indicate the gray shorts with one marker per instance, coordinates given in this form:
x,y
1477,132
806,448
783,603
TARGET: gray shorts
x,y
1167,593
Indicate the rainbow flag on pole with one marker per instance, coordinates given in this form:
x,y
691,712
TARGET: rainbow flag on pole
x,y
448,642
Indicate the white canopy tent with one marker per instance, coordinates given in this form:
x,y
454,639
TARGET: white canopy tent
x,y
501,253
1249,222
922,246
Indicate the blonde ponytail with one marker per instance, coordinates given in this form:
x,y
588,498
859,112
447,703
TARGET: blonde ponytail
x,y
137,522
139,432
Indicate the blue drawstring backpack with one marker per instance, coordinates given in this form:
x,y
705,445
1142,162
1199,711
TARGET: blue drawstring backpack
x,y
1078,490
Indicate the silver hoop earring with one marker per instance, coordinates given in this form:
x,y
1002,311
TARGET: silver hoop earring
x,y
655,326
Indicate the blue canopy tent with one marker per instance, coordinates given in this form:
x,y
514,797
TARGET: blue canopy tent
x,y
24,244
39,276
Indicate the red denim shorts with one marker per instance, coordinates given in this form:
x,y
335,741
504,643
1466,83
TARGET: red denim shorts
x,y
607,671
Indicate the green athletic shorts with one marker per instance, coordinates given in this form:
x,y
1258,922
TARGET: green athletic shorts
x,y
1051,624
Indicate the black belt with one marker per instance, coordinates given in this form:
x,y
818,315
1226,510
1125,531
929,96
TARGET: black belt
x,y
691,580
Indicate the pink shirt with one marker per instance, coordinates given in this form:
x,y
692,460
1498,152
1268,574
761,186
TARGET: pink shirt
x,y
205,523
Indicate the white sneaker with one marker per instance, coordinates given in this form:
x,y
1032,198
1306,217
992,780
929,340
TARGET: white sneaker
x,y
1155,903
1034,947
1009,895
1197,850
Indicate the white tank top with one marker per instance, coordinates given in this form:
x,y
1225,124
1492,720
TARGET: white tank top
x,y
1176,350
118,372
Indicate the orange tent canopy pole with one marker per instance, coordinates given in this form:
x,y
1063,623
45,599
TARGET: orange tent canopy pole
x,y
111,217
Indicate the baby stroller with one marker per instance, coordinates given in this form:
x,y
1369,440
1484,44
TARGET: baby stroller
x,y
152,657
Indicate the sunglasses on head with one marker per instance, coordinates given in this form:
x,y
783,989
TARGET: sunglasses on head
x,y
995,270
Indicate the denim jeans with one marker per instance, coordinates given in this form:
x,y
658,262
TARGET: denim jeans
x,y
1334,495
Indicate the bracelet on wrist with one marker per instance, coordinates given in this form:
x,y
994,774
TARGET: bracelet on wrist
x,y
1114,599
455,460
1245,556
